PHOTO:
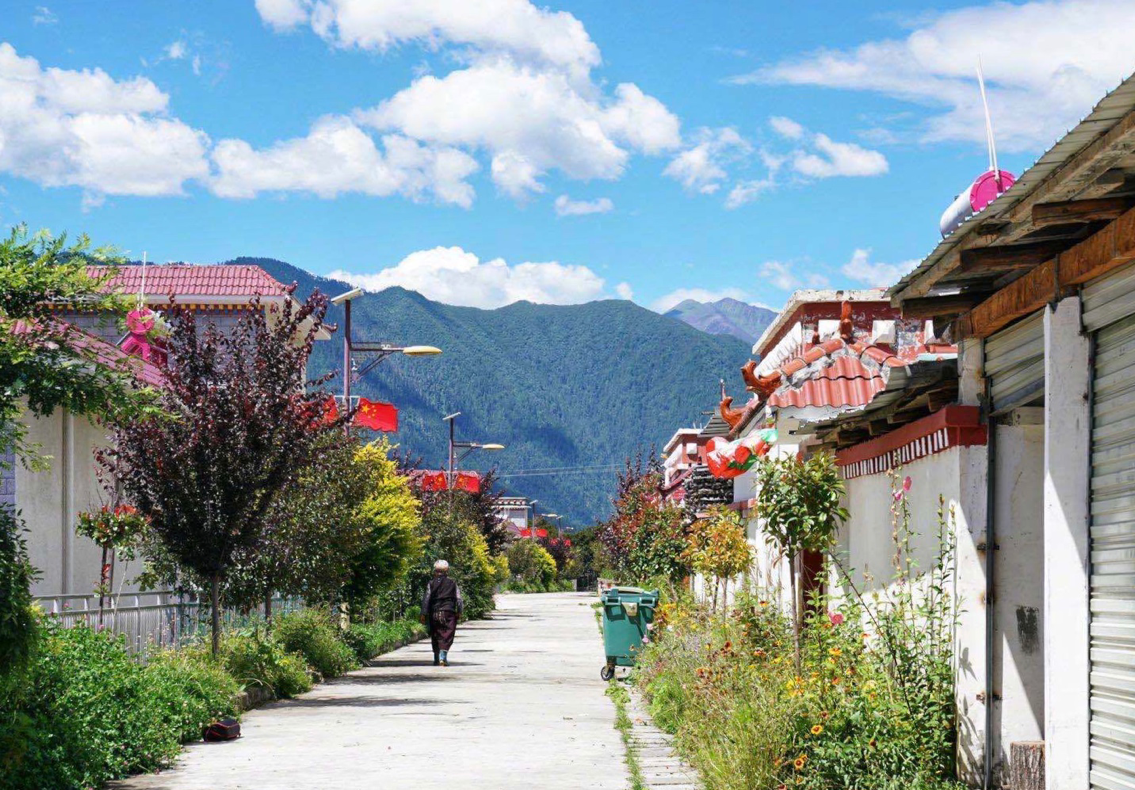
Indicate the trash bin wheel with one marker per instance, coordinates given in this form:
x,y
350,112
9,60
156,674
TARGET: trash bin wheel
x,y
607,672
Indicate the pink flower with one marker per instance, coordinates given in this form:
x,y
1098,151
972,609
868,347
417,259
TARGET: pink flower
x,y
906,484
836,618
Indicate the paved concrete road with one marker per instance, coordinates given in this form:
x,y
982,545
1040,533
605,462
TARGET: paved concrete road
x,y
522,706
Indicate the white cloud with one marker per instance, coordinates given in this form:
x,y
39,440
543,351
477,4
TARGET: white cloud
x,y
786,127
83,128
790,277
338,157
672,299
516,27
625,291
177,50
44,16
454,276
861,269
1045,62
701,167
829,159
566,207
747,191
530,121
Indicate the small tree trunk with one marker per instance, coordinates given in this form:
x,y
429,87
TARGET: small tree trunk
x,y
268,606
794,570
215,604
104,581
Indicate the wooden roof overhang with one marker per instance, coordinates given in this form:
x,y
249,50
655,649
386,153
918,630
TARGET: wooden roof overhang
x,y
1069,218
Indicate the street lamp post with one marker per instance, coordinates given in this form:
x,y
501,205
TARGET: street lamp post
x,y
379,351
532,517
465,448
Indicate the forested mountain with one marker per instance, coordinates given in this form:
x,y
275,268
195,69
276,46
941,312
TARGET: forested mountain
x,y
724,317
567,389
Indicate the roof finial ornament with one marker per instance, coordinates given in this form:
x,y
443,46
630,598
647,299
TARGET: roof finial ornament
x,y
846,329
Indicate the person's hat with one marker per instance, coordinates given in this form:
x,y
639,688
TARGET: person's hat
x,y
441,565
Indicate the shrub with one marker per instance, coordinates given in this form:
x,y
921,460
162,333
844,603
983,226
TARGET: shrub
x,y
531,564
192,688
368,640
17,622
259,660
313,635
89,713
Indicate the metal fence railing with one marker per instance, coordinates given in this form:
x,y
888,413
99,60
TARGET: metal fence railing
x,y
150,620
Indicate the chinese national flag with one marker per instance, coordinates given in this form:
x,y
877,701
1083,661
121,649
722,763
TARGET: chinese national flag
x,y
433,481
377,416
330,411
468,481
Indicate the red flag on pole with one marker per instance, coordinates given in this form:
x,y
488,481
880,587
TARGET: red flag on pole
x,y
377,416
468,481
433,481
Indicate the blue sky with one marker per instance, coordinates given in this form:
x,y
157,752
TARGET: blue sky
x,y
486,152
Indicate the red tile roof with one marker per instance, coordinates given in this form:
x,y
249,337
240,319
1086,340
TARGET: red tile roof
x,y
184,279
846,382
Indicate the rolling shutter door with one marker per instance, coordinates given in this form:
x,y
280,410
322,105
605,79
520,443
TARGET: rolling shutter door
x,y
1113,554
1014,363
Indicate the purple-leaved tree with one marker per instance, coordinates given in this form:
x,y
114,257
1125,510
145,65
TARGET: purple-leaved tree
x,y
246,422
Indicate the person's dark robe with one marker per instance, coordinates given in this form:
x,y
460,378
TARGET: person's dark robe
x,y
441,606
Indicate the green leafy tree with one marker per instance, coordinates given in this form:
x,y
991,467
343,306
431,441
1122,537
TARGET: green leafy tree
x,y
801,504
645,539
47,364
531,563
718,548
246,427
311,534
391,524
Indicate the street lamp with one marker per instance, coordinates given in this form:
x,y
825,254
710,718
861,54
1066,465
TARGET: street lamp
x,y
465,448
532,517
379,351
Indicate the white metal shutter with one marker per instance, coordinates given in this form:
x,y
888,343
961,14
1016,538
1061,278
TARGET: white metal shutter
x,y
1014,363
1109,298
1113,559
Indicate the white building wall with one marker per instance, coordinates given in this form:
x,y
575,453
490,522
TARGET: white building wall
x,y
50,501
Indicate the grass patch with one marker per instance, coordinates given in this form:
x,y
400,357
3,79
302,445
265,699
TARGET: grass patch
x,y
619,695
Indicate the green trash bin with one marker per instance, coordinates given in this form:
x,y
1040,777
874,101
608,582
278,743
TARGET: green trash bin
x,y
627,614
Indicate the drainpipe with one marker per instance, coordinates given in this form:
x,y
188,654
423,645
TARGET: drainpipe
x,y
990,569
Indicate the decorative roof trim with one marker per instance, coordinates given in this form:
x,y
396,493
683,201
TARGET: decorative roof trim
x,y
951,426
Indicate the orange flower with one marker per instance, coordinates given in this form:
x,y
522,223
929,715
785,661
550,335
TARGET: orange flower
x,y
835,651
817,729
798,763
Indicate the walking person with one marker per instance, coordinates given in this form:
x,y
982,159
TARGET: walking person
x,y
441,606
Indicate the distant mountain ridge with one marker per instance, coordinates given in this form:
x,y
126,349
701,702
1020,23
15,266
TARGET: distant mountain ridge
x,y
570,390
724,317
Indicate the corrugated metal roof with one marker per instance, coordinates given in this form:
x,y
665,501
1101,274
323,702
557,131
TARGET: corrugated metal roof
x,y
181,279
846,382
1113,107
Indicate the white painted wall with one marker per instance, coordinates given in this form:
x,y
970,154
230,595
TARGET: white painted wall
x,y
1018,607
50,502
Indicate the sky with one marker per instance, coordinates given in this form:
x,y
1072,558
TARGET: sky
x,y
487,152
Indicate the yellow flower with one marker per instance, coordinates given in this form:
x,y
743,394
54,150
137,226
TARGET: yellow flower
x,y
817,729
798,763
869,685
835,651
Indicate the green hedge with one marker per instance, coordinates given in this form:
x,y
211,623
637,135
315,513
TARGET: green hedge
x,y
85,712
312,634
368,640
257,659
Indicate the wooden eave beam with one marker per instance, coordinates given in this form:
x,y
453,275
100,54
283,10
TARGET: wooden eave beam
x,y
1100,253
1071,179
937,306
1009,257
1078,211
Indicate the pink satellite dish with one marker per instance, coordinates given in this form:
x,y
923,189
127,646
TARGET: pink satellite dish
x,y
983,191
